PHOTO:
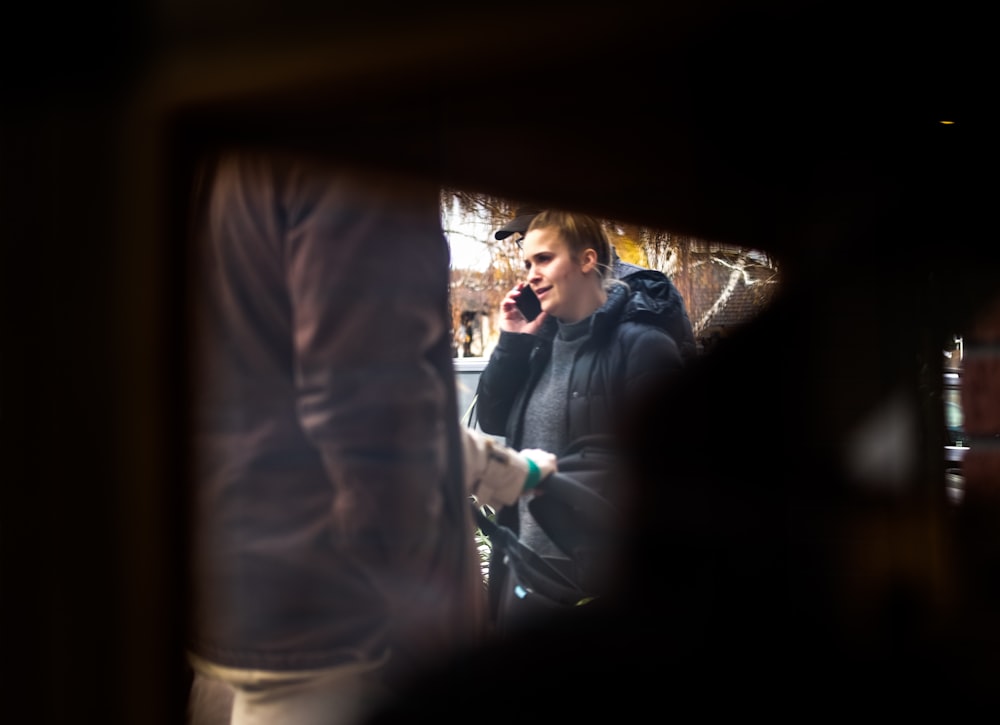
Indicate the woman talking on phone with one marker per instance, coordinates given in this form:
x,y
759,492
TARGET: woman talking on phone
x,y
571,371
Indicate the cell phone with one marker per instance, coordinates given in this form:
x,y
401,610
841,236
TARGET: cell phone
x,y
528,303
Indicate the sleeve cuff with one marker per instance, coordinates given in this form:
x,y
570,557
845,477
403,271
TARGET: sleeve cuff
x,y
534,475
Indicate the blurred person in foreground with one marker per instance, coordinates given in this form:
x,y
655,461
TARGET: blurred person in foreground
x,y
333,551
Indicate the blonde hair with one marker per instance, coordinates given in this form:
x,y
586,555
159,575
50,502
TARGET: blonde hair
x,y
581,232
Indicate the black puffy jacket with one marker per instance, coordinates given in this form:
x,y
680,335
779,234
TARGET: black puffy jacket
x,y
627,347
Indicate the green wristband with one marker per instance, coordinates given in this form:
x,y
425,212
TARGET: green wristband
x,y
534,475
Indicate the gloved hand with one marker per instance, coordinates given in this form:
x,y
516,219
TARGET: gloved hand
x,y
541,464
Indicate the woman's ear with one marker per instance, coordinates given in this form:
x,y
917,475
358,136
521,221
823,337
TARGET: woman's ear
x,y
588,260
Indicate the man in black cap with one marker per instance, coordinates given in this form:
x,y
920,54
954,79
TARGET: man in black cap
x,y
673,314
519,224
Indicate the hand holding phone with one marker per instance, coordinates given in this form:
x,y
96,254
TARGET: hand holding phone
x,y
527,302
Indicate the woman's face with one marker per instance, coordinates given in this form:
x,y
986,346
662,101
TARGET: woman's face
x,y
561,283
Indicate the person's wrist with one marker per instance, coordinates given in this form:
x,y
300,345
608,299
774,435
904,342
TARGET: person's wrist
x,y
534,475
540,464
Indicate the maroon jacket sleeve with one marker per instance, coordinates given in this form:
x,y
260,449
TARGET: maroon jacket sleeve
x,y
368,397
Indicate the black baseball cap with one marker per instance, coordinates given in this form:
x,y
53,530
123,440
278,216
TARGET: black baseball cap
x,y
522,218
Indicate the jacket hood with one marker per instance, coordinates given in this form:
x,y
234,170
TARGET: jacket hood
x,y
653,298
656,301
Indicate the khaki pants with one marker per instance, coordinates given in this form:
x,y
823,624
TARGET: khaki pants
x,y
344,695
